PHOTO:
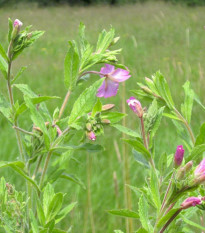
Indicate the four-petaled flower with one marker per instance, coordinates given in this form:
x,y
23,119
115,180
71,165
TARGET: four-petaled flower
x,y
179,155
112,79
190,201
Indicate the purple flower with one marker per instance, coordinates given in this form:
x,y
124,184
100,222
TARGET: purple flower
x,y
191,201
91,136
200,170
179,155
18,23
136,106
112,79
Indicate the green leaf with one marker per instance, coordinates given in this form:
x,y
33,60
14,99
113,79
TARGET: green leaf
x,y
126,130
189,222
143,213
118,231
162,163
36,100
38,120
104,40
200,139
124,213
41,215
10,29
20,72
5,107
138,146
196,98
186,107
196,151
54,206
48,195
166,217
142,230
18,167
62,214
71,67
154,188
3,53
163,89
73,178
85,102
140,159
3,67
157,122
97,108
34,223
113,117
171,116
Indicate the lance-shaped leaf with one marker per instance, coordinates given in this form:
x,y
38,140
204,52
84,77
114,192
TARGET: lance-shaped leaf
x,y
126,130
73,178
3,53
154,189
3,67
48,195
200,139
139,158
34,223
104,40
71,66
62,214
166,217
196,153
143,213
19,168
186,107
5,107
18,75
138,146
113,117
193,224
85,102
10,22
38,120
124,213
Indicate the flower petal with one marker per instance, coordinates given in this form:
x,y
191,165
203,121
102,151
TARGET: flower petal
x,y
121,75
107,69
108,88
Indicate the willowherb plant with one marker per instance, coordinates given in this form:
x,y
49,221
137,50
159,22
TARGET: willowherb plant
x,y
174,185
40,209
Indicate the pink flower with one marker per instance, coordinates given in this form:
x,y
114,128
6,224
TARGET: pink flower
x,y
136,106
179,155
112,79
200,170
191,201
91,136
18,23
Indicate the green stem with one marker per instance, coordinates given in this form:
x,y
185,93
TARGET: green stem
x,y
64,103
186,124
45,168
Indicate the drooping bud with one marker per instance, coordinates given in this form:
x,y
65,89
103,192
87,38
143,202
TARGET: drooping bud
x,y
136,106
190,202
200,170
184,170
179,155
91,136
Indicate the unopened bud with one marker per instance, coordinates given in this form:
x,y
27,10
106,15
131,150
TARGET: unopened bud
x,y
29,35
184,170
146,89
200,170
107,107
179,155
89,126
190,202
136,106
199,180
91,136
17,27
115,40
106,121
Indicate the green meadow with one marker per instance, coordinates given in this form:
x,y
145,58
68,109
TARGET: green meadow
x,y
154,36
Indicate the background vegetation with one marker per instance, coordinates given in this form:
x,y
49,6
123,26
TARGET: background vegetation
x,y
153,36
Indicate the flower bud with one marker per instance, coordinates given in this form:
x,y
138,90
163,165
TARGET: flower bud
x,y
191,201
136,106
91,136
200,170
184,170
107,107
105,121
17,27
199,179
179,155
89,126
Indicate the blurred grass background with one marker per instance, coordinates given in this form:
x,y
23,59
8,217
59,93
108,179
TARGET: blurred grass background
x,y
154,36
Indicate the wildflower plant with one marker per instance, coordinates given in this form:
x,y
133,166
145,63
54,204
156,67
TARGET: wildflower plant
x,y
174,187
53,136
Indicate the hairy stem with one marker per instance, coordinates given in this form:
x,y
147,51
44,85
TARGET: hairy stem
x,y
45,168
64,104
170,220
